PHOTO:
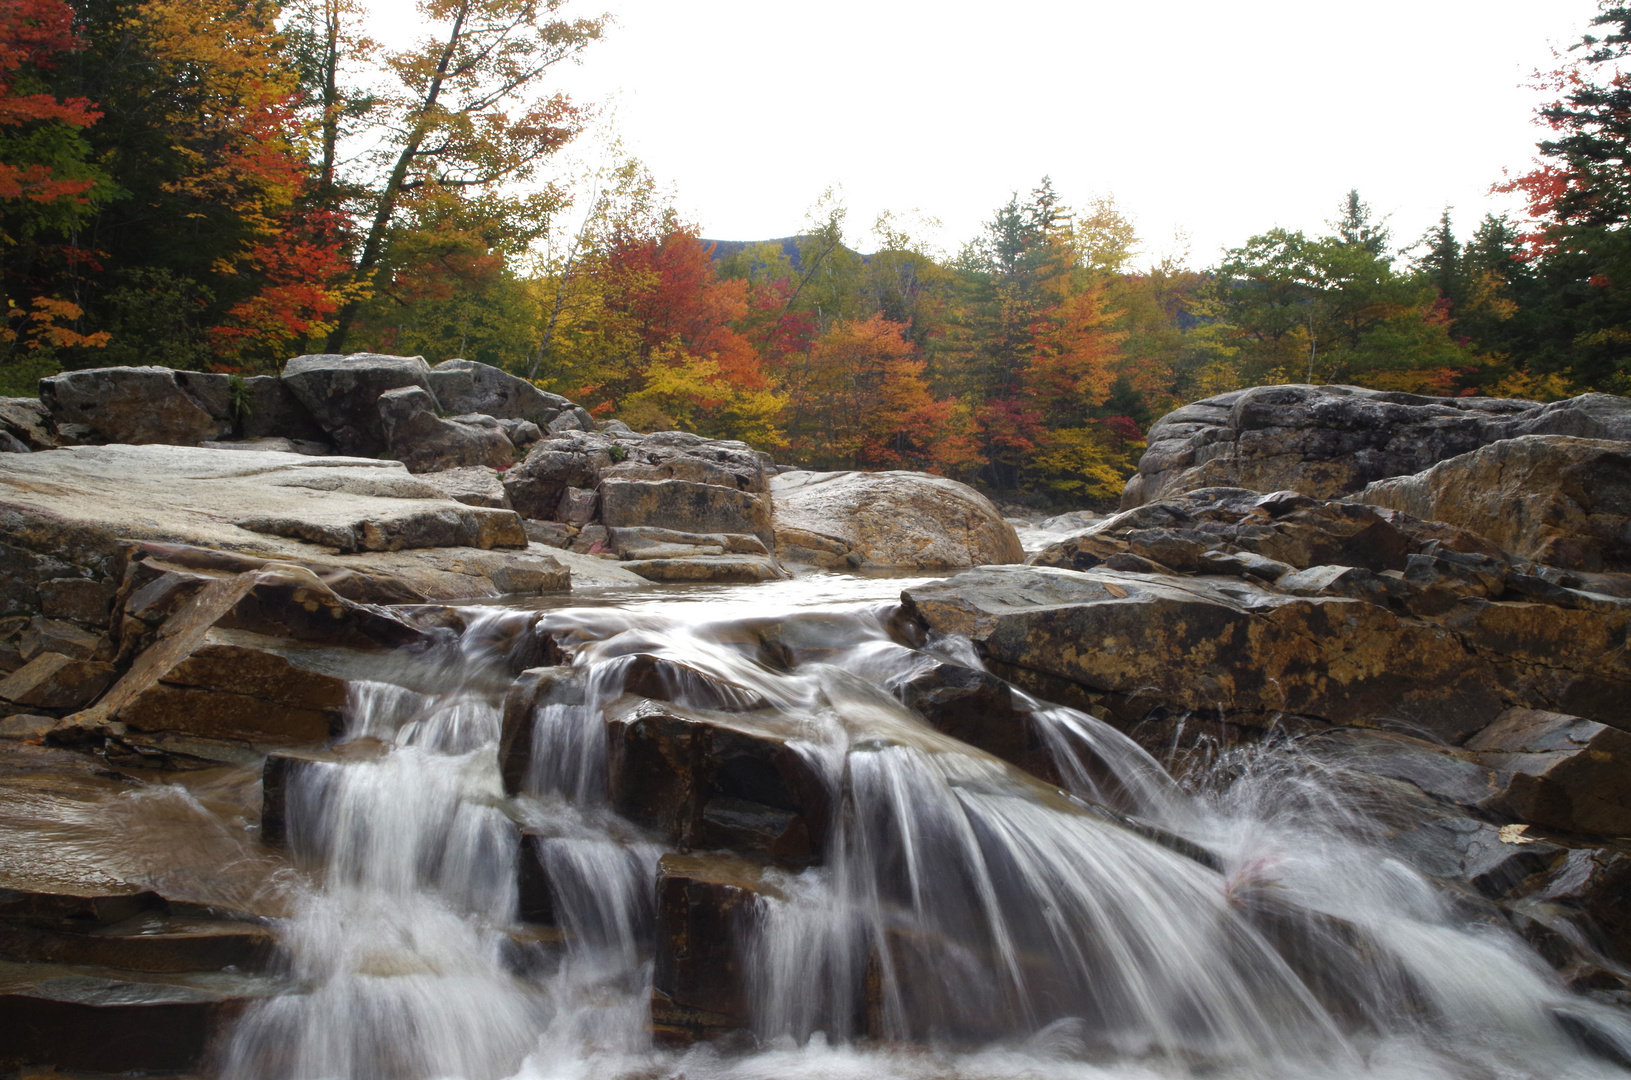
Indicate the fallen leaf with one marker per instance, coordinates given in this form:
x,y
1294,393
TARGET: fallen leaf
x,y
1513,834
1116,590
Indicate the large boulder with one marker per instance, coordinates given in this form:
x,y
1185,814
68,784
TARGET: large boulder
x,y
342,392
1333,440
465,386
1557,499
130,405
888,519
425,442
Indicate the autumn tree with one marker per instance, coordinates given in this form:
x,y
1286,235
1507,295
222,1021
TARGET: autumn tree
x,y
1579,197
49,187
465,120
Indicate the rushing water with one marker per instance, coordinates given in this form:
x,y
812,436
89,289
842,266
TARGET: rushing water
x,y
992,925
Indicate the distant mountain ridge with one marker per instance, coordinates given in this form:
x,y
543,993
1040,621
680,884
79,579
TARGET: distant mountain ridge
x,y
724,249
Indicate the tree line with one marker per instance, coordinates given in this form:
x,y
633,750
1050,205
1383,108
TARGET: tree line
x,y
222,184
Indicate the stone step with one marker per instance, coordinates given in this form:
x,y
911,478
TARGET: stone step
x,y
100,1019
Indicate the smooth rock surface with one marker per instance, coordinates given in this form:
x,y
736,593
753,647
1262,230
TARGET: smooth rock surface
x,y
73,511
888,519
475,485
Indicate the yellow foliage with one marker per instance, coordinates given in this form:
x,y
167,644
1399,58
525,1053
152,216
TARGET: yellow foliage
x,y
1086,463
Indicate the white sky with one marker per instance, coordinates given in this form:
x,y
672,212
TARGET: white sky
x,y
1219,117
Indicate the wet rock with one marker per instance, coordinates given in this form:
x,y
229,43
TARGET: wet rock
x,y
81,599
215,673
1130,643
466,386
531,691
705,908
416,436
1543,657
1559,771
341,394
889,519
1592,882
667,765
473,486
25,426
54,682
159,1024
129,405
1331,440
1558,500
979,709
278,772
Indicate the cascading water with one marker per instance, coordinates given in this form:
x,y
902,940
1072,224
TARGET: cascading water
x,y
963,919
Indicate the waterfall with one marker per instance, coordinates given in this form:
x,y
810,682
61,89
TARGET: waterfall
x,y
952,917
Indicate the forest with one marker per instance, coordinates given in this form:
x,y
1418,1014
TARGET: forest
x,y
223,184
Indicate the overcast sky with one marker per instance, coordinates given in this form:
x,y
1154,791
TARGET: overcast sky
x,y
1222,118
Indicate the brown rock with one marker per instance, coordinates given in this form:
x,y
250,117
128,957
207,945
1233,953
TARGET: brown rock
x,y
155,1024
1130,643
150,942
53,635
1559,771
705,906
54,681
707,567
80,599
667,765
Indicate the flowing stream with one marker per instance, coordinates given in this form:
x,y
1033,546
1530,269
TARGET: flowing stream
x,y
964,920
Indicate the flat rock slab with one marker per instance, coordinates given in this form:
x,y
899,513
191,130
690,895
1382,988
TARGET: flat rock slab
x,y
83,505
